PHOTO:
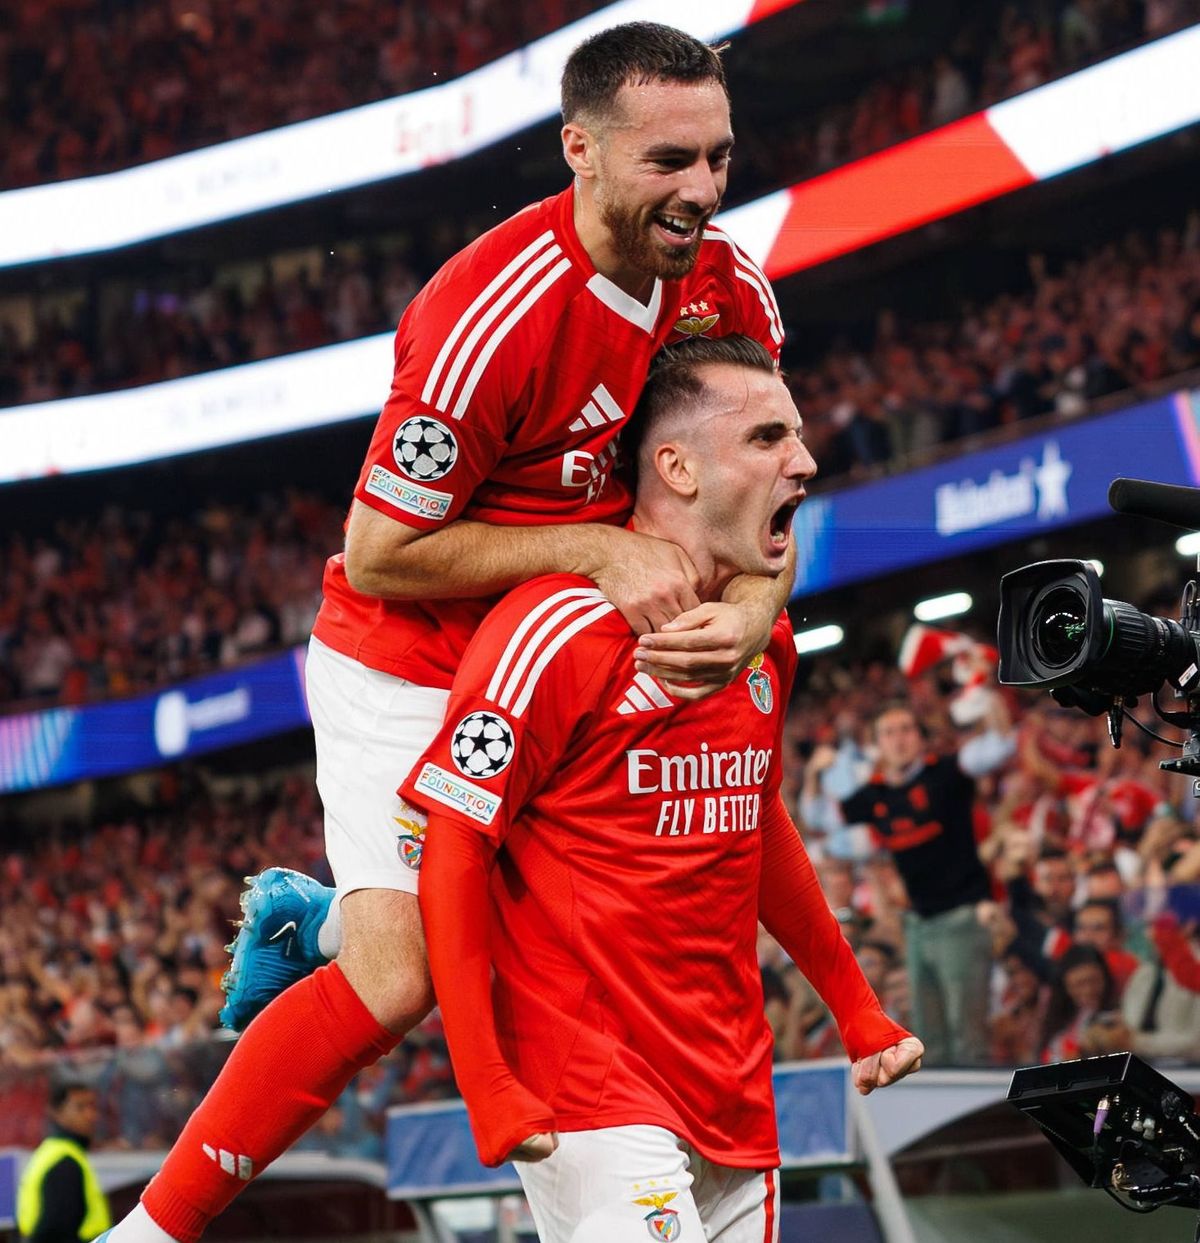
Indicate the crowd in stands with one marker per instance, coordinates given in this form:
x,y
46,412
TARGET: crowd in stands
x,y
1124,317
1092,856
209,72
200,321
88,86
991,58
112,951
111,948
108,606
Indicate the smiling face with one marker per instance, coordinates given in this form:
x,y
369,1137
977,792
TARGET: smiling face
x,y
652,173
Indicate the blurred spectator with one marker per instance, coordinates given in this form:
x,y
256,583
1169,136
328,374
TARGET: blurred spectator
x,y
1016,1026
59,1199
920,806
1098,924
1160,1011
1082,993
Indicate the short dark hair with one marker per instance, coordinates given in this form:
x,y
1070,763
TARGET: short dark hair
x,y
635,53
675,380
895,704
1111,905
61,1091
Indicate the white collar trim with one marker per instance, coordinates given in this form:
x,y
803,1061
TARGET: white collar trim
x,y
627,307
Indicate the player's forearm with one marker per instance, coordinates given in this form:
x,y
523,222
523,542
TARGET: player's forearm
x,y
455,913
763,598
468,559
794,911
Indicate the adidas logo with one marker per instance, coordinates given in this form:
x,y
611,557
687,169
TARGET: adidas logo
x,y
232,1163
600,410
644,695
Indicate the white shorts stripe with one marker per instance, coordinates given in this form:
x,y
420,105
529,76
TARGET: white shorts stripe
x,y
469,314
488,318
497,337
539,636
531,618
563,637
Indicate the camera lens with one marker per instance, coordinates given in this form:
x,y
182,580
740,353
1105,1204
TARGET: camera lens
x,y
1059,627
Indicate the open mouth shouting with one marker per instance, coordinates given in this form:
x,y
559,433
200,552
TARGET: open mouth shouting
x,y
779,528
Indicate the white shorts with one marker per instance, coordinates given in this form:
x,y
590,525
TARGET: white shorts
x,y
624,1184
370,729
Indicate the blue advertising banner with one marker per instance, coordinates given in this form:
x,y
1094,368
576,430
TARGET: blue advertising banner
x,y
430,1152
978,500
8,1188
60,745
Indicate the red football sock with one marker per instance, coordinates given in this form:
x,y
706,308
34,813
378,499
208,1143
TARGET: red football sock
x,y
292,1064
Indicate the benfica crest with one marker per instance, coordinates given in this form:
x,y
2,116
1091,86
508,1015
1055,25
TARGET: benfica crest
x,y
411,842
661,1222
696,318
759,684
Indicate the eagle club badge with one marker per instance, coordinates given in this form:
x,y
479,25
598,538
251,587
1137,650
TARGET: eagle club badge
x,y
661,1222
696,318
760,685
411,841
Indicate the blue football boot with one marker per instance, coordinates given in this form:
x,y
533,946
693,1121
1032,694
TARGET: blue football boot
x,y
276,944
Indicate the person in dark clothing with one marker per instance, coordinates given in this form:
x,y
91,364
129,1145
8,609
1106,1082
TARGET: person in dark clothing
x,y
920,807
59,1199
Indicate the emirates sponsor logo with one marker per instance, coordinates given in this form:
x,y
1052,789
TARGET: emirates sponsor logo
x,y
651,773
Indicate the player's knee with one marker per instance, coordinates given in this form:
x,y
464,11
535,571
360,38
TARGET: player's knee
x,y
383,956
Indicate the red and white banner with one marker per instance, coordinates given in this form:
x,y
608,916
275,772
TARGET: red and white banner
x,y
1063,125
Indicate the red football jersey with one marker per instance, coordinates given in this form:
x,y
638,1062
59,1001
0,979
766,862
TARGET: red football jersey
x,y
516,367
626,982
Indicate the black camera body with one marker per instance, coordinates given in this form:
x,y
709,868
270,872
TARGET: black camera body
x,y
1058,632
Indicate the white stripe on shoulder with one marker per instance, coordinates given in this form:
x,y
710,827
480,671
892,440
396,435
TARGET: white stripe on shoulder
x,y
746,269
531,619
489,317
563,637
530,649
464,320
506,326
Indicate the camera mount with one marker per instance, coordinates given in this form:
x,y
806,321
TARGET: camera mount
x,y
1121,1126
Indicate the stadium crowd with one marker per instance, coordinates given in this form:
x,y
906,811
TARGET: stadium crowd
x,y
211,72
1124,316
112,951
205,72
101,608
990,57
111,947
